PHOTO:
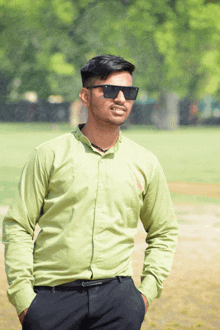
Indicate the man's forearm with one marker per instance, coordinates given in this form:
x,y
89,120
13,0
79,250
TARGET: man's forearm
x,y
19,264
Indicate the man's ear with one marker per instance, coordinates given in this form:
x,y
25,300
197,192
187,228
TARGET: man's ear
x,y
85,96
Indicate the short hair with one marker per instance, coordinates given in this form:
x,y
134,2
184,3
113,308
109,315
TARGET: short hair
x,y
100,67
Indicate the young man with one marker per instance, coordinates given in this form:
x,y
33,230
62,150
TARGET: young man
x,y
87,190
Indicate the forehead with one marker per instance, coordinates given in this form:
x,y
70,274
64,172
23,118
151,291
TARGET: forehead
x,y
116,78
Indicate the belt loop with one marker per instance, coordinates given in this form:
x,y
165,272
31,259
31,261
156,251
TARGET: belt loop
x,y
119,279
53,289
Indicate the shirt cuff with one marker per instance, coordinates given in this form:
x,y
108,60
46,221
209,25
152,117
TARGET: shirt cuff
x,y
148,288
22,299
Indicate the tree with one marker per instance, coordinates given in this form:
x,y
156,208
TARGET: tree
x,y
174,44
44,43
36,47
177,50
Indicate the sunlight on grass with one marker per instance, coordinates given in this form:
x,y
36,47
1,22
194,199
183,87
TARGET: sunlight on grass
x,y
193,199
189,154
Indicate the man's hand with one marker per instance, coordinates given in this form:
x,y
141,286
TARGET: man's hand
x,y
22,315
146,303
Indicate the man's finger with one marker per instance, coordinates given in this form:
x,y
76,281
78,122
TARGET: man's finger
x,y
22,315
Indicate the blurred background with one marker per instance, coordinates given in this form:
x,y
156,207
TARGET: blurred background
x,y
175,46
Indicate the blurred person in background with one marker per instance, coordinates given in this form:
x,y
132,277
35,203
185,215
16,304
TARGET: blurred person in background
x,y
87,191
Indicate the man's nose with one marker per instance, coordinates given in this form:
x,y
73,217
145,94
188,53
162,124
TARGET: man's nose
x,y
120,97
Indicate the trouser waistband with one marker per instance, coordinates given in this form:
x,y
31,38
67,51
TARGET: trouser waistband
x,y
80,283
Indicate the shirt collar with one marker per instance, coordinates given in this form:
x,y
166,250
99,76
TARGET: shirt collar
x,y
81,137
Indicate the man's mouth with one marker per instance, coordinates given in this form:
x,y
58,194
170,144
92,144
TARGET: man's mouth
x,y
118,110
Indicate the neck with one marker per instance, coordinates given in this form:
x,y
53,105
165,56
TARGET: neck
x,y
103,137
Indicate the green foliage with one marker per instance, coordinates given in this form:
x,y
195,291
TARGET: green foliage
x,y
179,34
174,44
65,11
58,65
212,1
35,45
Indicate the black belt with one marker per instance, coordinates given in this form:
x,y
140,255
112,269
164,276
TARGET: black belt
x,y
80,283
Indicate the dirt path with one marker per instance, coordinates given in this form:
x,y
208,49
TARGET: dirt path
x,y
191,296
3,210
208,190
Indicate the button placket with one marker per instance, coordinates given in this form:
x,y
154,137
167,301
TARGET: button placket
x,y
98,216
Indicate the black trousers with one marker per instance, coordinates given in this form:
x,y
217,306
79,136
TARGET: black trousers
x,y
113,305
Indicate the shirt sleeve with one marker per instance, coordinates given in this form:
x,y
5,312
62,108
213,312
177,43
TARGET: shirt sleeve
x,y
18,232
159,220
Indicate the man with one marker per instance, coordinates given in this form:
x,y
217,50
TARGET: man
x,y
87,190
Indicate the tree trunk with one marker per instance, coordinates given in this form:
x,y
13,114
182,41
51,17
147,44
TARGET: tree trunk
x,y
166,112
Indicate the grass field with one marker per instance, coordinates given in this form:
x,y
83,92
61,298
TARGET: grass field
x,y
190,298
189,154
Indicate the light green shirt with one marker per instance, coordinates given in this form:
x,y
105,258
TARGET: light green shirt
x,y
87,206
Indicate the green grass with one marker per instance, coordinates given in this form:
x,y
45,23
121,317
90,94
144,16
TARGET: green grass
x,y
17,141
189,154
195,199
1,220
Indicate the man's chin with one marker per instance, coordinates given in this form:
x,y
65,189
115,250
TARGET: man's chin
x,y
116,124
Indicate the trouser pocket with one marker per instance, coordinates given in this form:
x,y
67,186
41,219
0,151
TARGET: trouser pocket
x,y
29,312
57,310
140,298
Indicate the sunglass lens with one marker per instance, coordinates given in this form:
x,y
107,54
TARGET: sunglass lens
x,y
130,93
110,91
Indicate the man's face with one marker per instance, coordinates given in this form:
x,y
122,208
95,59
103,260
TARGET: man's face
x,y
109,111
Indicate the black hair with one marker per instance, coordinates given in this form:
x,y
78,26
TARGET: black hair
x,y
100,67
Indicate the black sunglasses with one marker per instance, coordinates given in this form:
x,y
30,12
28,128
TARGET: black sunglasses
x,y
111,91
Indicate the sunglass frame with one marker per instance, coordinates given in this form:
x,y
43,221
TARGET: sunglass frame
x,y
127,90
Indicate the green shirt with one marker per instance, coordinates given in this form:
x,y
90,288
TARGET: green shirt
x,y
87,206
